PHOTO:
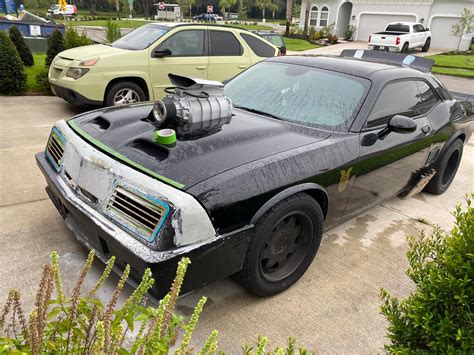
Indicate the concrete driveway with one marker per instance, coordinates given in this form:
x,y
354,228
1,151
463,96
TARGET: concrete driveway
x,y
334,308
336,49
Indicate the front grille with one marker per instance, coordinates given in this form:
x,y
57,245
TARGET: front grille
x,y
55,149
137,212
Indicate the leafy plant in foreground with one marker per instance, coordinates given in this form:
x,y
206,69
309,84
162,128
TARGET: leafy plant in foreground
x,y
438,316
81,323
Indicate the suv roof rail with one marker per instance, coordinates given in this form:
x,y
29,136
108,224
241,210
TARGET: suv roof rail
x,y
414,62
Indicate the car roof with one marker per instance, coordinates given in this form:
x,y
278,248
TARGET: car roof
x,y
347,65
188,24
404,23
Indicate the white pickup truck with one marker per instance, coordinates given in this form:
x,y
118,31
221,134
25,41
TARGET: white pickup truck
x,y
400,37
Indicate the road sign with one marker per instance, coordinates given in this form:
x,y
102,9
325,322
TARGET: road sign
x,y
161,6
210,9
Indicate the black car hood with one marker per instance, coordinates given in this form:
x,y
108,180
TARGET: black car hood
x,y
126,134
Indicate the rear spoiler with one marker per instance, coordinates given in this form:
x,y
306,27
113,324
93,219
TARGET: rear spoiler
x,y
408,60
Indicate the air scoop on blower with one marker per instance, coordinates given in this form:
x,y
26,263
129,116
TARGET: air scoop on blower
x,y
193,107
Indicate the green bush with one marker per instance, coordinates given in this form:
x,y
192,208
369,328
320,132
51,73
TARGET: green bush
x,y
55,46
12,73
438,316
41,78
83,324
72,39
21,46
112,32
349,32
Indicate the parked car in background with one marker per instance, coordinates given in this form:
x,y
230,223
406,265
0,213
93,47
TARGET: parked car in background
x,y
246,177
274,38
401,37
205,18
70,10
135,68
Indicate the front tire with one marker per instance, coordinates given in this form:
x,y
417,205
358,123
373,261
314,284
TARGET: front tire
x,y
124,93
426,46
446,168
283,245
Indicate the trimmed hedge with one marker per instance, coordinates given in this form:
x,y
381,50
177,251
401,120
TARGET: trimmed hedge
x,y
55,45
12,73
21,46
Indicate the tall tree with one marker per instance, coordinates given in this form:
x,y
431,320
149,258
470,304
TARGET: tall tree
x,y
189,5
263,4
465,25
226,4
274,6
307,15
289,16
117,7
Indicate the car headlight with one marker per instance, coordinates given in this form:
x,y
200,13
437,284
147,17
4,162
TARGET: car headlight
x,y
76,73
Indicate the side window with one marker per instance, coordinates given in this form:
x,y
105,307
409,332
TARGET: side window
x,y
259,47
428,98
224,43
398,98
186,43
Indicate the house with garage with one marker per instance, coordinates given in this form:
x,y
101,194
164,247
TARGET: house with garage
x,y
370,16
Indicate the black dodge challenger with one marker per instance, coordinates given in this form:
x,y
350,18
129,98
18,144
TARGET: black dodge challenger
x,y
244,178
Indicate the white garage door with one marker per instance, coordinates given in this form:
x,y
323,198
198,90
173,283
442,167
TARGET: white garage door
x,y
370,23
441,33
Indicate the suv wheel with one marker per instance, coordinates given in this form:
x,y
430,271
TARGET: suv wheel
x,y
124,93
283,245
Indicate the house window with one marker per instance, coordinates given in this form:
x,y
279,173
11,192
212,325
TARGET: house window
x,y
313,19
323,21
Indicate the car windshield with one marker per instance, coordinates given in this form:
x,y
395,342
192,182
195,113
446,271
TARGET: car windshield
x,y
141,38
397,27
274,39
299,94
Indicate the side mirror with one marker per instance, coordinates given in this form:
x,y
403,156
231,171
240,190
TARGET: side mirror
x,y
427,29
398,124
161,52
401,124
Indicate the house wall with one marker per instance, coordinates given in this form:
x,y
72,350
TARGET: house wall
x,y
372,15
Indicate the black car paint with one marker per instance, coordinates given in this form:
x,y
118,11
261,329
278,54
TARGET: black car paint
x,y
266,160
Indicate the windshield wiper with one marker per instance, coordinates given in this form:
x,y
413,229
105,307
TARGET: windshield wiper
x,y
263,113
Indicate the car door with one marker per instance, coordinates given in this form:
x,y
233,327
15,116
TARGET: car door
x,y
419,34
188,57
227,56
386,165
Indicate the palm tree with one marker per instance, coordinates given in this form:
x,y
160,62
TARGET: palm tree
x,y
307,16
289,15
224,4
263,4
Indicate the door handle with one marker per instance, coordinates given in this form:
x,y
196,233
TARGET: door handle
x,y
242,67
426,129
200,67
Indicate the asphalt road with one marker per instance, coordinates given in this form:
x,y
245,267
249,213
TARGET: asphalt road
x,y
334,308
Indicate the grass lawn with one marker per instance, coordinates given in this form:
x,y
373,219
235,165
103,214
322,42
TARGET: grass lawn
x,y
454,72
31,85
295,44
463,61
456,64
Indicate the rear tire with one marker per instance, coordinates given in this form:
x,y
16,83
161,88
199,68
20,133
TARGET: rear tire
x,y
283,245
426,46
124,93
405,48
446,167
